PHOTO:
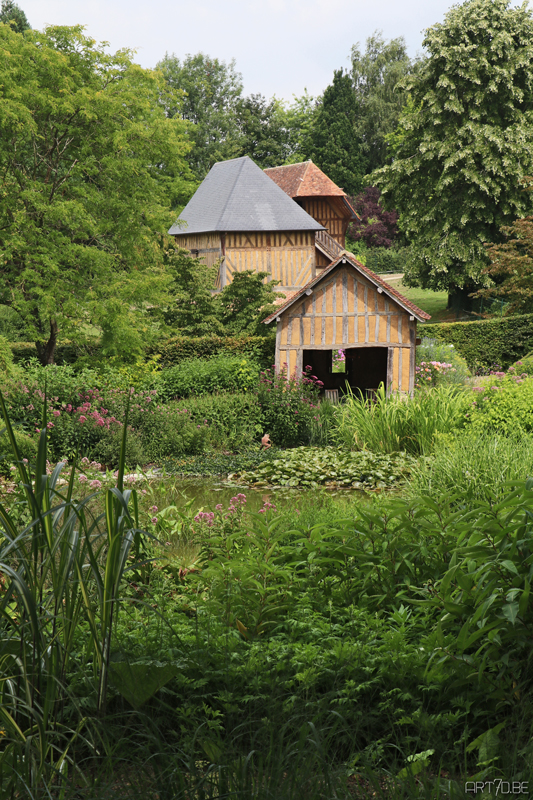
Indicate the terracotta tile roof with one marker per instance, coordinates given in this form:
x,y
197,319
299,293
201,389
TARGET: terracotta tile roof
x,y
377,280
304,180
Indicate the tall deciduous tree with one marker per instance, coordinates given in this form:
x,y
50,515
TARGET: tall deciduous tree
x,y
465,142
333,144
376,75
88,161
511,265
263,133
206,92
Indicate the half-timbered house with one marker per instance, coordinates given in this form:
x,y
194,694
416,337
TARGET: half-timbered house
x,y
348,307
323,200
290,222
242,220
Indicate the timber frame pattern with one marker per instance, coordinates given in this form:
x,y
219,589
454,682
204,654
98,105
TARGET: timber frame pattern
x,y
349,307
290,223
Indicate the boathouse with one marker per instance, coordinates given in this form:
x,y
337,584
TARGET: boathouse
x,y
348,307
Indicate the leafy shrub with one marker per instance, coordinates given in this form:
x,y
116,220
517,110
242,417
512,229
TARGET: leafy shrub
x,y
173,351
6,359
432,350
289,407
486,343
234,420
195,377
522,367
12,327
503,405
380,259
26,445
393,423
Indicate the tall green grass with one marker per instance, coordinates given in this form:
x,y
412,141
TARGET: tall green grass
x,y
474,464
60,568
392,423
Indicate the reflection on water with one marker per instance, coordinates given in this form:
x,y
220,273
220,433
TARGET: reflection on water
x,y
206,493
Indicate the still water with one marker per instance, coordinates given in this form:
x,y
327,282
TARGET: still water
x,y
206,493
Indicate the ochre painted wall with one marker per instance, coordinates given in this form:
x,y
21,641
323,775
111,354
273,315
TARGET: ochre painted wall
x,y
346,310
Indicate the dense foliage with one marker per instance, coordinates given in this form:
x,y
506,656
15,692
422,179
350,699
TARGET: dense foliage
x,y
463,144
79,220
375,226
334,144
488,344
356,643
377,75
511,267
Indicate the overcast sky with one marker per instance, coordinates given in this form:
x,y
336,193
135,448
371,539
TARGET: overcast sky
x,y
281,47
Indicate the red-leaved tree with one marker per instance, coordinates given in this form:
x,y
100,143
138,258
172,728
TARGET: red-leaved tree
x,y
377,227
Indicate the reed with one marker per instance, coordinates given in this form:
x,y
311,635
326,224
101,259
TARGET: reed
x,y
393,423
60,569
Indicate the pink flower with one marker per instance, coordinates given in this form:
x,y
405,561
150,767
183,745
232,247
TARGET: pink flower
x,y
56,413
218,507
82,478
95,484
82,419
154,520
153,509
49,425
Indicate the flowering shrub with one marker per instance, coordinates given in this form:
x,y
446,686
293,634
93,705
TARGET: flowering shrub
x,y
92,423
431,373
432,351
289,406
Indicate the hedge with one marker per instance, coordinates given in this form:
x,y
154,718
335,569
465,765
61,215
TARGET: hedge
x,y
180,348
65,353
172,351
486,344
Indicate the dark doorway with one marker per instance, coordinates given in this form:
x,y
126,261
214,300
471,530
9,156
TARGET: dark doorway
x,y
366,368
320,362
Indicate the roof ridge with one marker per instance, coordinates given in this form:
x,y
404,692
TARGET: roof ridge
x,y
393,293
286,166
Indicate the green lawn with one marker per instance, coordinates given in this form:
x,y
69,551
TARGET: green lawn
x,y
433,303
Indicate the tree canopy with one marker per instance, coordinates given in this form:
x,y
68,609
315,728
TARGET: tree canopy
x,y
12,14
376,75
205,93
333,142
464,142
375,226
511,265
88,162
263,134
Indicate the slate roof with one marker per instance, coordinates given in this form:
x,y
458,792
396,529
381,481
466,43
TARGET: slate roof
x,y
307,180
236,195
377,280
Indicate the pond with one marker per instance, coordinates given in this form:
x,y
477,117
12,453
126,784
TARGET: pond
x,y
206,493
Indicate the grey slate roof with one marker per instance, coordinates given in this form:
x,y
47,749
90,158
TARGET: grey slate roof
x,y
236,195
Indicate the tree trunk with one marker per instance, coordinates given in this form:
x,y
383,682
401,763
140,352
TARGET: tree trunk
x,y
46,352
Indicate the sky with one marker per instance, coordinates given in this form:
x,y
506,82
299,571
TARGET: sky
x,y
281,47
